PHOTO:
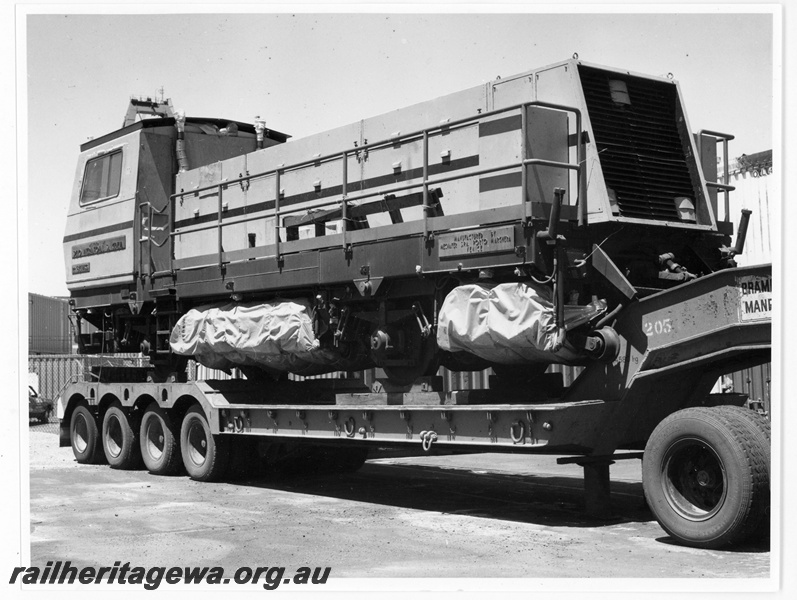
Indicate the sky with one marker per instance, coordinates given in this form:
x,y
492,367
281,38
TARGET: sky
x,y
308,72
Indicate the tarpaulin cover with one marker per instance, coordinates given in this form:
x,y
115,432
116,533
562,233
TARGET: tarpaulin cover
x,y
277,336
509,323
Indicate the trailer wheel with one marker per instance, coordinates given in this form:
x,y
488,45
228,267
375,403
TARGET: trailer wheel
x,y
120,439
85,436
159,441
205,456
704,476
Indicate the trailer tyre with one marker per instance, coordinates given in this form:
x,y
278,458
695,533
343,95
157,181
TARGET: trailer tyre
x,y
705,478
85,436
205,456
120,439
159,441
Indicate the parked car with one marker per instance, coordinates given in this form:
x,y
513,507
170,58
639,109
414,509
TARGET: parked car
x,y
38,407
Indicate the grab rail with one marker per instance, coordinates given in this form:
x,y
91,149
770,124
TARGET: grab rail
x,y
724,186
425,184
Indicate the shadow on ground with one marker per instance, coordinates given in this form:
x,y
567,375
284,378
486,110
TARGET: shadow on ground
x,y
541,499
550,500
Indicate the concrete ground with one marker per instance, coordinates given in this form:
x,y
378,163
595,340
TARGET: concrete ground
x,y
507,516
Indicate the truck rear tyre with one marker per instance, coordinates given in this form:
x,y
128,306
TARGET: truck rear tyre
x,y
159,441
120,439
705,477
760,427
85,436
205,456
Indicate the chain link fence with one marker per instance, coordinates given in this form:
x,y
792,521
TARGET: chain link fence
x,y
56,371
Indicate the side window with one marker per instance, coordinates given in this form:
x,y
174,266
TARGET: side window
x,y
102,178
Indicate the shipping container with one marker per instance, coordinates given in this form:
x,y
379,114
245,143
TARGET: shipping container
x,y
49,328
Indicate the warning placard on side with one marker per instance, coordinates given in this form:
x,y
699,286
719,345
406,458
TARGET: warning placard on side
x,y
756,297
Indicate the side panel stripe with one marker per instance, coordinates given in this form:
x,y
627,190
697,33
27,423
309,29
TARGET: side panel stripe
x,y
101,230
499,126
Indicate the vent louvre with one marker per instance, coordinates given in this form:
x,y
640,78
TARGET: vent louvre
x,y
639,144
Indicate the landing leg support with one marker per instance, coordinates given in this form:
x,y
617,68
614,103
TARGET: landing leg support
x,y
597,492
597,489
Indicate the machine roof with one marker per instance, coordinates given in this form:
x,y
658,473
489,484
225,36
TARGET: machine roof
x,y
169,121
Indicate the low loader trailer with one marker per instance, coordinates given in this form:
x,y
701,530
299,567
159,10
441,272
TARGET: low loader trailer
x,y
563,216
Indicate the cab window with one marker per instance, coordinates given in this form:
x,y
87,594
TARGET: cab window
x,y
102,178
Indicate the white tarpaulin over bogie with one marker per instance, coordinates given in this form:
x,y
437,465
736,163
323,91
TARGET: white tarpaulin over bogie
x,y
275,336
509,323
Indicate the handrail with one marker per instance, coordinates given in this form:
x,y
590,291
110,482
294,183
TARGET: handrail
x,y
425,182
524,125
277,193
404,187
724,186
220,246
344,205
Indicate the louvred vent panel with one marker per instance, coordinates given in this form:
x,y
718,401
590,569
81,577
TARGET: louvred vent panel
x,y
635,125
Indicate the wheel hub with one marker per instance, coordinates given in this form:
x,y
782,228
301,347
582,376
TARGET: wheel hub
x,y
197,444
694,480
703,478
155,440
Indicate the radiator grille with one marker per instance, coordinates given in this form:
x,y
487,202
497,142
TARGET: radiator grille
x,y
641,150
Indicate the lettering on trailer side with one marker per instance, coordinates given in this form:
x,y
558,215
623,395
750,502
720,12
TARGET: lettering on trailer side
x,y
755,297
